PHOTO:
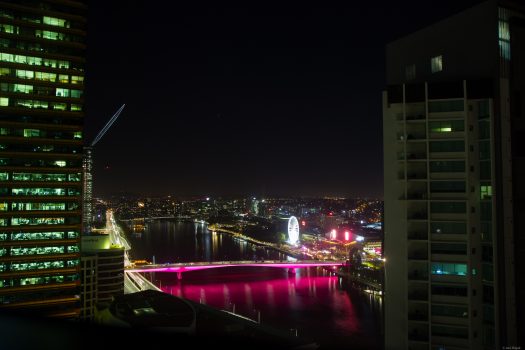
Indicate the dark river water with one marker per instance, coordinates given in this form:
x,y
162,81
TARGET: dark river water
x,y
313,303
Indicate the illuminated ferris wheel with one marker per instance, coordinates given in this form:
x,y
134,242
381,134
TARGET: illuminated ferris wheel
x,y
293,230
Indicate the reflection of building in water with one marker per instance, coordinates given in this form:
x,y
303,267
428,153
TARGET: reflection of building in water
x,y
137,225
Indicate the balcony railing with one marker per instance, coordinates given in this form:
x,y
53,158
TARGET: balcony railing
x,y
416,155
416,116
418,336
417,316
417,195
418,216
418,255
417,275
418,295
416,136
415,176
418,235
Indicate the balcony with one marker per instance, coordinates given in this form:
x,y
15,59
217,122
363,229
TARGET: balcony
x,y
417,346
416,136
418,255
416,156
422,215
418,275
418,295
417,235
418,315
417,195
415,335
416,116
417,176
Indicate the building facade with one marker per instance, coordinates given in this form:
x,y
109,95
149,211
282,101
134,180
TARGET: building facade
x,y
102,273
453,177
42,49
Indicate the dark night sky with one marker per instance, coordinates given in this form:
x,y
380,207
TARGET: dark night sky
x,y
251,100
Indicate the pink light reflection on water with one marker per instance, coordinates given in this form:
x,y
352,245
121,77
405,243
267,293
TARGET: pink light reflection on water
x,y
308,301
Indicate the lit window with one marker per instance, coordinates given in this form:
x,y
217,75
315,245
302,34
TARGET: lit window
x,y
446,126
31,133
59,106
410,72
436,64
75,79
6,28
25,74
504,34
62,92
76,93
60,163
4,101
485,192
7,57
63,78
53,21
77,135
21,88
449,269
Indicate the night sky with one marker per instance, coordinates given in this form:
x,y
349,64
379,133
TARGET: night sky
x,y
257,100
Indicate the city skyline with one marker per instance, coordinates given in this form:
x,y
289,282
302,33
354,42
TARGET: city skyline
x,y
243,100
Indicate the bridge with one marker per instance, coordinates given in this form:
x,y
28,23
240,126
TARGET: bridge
x,y
194,266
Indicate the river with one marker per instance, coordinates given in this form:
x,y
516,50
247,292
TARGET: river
x,y
313,303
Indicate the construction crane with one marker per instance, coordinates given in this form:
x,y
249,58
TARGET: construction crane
x,y
87,165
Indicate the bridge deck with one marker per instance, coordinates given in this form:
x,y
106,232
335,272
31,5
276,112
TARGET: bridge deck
x,y
192,266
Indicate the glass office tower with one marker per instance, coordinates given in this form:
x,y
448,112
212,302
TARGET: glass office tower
x,y
42,50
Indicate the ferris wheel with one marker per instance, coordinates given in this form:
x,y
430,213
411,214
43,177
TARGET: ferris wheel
x,y
293,230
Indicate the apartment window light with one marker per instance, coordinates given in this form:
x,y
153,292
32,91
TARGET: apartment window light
x,y
436,64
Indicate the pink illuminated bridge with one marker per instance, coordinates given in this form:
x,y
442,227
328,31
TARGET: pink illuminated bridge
x,y
193,266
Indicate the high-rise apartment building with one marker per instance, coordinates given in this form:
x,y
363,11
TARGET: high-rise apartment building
x,y
454,134
42,49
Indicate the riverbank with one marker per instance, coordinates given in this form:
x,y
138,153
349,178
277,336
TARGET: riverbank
x,y
217,228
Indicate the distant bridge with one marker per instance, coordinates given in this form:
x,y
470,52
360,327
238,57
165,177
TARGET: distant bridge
x,y
193,266
181,218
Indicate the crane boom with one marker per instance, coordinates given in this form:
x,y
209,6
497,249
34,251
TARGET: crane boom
x,y
107,126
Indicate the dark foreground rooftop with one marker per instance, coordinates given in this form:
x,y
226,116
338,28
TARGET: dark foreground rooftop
x,y
160,314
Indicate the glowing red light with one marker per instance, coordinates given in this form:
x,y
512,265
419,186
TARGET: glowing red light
x,y
347,236
303,223
330,213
